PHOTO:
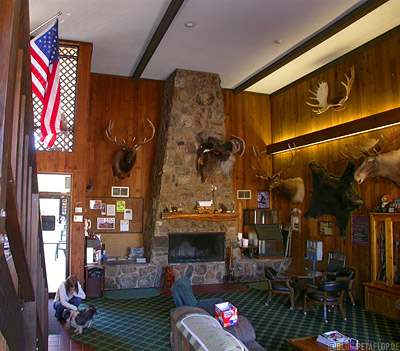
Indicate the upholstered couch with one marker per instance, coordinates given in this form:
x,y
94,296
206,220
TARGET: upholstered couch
x,y
192,328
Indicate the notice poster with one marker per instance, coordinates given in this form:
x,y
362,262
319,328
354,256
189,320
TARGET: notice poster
x,y
121,206
124,225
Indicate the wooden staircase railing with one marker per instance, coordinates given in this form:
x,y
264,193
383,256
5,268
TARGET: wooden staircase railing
x,y
23,288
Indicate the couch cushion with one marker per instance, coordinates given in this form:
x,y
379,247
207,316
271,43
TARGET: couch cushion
x,y
206,334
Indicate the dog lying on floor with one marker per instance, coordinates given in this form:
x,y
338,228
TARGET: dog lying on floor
x,y
80,319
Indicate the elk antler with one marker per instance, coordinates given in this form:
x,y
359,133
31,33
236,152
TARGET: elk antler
x,y
145,140
114,138
266,174
321,95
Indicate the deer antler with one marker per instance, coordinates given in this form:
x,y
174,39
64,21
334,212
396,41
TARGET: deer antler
x,y
114,138
137,146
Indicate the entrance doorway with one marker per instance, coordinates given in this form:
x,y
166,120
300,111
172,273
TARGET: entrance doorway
x,y
54,200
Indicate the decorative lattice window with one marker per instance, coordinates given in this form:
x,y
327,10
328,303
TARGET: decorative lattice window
x,y
68,60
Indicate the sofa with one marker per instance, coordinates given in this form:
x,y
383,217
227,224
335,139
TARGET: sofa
x,y
192,328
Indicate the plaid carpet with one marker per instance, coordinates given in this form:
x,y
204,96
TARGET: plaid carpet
x,y
144,324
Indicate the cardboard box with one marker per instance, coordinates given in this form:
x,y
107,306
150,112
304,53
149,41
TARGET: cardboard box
x,y
226,314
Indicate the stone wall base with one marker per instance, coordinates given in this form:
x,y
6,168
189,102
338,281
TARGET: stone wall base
x,y
132,276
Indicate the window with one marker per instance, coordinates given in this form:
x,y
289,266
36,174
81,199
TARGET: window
x,y
69,73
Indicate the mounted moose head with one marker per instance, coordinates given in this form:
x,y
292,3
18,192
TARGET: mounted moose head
x,y
291,188
125,159
377,161
321,95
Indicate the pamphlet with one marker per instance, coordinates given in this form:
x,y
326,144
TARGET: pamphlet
x,y
332,338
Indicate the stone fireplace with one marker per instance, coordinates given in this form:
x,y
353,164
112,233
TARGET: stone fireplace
x,y
192,103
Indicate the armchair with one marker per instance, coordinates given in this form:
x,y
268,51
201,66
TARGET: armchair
x,y
336,261
183,296
328,293
347,274
278,286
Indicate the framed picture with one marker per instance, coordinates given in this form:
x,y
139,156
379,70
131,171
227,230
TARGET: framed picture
x,y
326,228
106,223
263,199
360,229
295,220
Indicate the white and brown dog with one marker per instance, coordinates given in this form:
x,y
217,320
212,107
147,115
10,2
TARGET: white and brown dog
x,y
81,319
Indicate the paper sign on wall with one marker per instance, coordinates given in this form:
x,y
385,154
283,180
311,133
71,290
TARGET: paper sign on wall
x,y
120,206
128,214
110,210
124,225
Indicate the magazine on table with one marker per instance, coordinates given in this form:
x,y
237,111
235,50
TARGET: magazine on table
x,y
332,338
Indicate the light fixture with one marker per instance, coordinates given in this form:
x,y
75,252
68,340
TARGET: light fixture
x,y
278,41
363,125
189,24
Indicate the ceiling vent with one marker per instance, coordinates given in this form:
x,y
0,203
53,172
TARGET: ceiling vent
x,y
244,194
120,191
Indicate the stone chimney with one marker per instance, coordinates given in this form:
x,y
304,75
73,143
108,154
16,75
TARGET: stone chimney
x,y
192,103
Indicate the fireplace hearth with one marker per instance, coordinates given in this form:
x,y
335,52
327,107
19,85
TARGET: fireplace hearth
x,y
196,247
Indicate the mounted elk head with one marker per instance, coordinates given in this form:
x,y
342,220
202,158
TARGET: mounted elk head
x,y
292,188
321,95
377,161
125,159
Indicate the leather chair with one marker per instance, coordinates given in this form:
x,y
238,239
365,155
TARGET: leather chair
x,y
348,274
336,261
183,296
328,293
278,286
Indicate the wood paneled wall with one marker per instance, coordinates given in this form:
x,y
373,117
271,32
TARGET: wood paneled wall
x,y
128,104
75,162
376,89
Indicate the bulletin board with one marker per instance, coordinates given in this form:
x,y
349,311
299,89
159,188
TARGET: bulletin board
x,y
99,210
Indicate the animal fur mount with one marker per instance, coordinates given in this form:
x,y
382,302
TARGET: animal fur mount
x,y
334,196
125,158
291,188
321,95
214,152
377,160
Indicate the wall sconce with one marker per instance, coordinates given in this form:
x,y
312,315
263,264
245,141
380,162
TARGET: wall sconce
x,y
367,124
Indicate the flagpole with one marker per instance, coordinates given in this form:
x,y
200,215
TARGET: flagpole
x,y
59,13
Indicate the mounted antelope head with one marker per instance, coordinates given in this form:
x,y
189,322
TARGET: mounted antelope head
x,y
321,95
377,161
292,188
125,159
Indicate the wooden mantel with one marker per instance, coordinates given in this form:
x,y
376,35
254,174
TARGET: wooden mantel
x,y
210,217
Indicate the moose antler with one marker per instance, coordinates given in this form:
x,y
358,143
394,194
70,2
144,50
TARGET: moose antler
x,y
321,95
370,147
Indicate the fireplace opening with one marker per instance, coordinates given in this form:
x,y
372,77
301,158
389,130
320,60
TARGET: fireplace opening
x,y
196,247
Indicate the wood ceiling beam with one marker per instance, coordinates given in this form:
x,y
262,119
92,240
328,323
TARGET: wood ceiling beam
x,y
162,28
317,39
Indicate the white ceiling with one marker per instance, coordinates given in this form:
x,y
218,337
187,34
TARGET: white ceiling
x,y
234,38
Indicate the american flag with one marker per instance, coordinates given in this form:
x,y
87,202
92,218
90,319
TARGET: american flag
x,y
46,81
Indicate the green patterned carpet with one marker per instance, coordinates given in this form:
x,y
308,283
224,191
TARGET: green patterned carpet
x,y
144,324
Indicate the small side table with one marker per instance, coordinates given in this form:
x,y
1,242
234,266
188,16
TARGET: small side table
x,y
94,286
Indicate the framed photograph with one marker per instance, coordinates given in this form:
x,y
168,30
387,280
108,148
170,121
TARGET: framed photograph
x,y
263,199
360,229
106,223
95,204
326,228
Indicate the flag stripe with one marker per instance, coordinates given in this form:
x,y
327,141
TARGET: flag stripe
x,y
46,81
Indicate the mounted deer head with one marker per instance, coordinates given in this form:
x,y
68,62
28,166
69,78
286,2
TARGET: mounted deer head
x,y
377,161
292,188
321,95
125,159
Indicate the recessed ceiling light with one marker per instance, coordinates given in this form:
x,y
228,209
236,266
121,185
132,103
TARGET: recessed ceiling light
x,y
189,24
278,41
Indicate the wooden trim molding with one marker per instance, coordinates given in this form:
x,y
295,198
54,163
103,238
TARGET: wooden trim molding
x,y
209,217
358,126
317,39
